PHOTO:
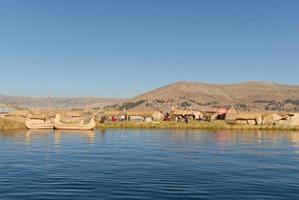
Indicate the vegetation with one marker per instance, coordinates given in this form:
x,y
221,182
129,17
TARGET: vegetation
x,y
129,105
159,101
15,124
295,102
10,124
185,104
216,125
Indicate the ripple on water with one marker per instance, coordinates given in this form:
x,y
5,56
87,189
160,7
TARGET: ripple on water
x,y
149,164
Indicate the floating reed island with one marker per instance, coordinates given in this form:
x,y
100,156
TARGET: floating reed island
x,y
216,118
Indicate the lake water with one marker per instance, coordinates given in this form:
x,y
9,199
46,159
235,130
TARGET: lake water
x,y
149,164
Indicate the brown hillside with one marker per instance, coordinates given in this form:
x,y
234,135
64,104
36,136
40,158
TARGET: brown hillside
x,y
247,96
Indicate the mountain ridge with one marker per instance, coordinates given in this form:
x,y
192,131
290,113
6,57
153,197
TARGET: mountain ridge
x,y
249,95
58,102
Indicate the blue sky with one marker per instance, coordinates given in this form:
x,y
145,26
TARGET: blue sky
x,y
122,48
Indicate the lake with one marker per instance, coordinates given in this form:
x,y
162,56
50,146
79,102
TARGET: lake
x,y
149,164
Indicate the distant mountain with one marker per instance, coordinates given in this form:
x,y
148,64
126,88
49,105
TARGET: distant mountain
x,y
60,103
245,96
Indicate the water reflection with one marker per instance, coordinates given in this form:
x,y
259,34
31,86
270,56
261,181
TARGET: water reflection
x,y
220,137
294,138
88,136
226,136
137,164
32,136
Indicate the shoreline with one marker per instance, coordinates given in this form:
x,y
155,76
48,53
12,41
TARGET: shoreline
x,y
8,124
215,125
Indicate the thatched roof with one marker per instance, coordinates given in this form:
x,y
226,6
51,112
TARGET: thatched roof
x,y
217,110
244,115
293,118
232,110
158,115
139,113
184,112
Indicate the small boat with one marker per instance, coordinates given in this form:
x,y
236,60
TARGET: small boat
x,y
73,124
39,122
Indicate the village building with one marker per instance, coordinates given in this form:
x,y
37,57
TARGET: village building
x,y
290,119
158,116
138,115
217,113
148,119
249,118
271,118
197,115
110,115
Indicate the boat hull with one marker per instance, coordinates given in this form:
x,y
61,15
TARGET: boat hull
x,y
36,126
63,126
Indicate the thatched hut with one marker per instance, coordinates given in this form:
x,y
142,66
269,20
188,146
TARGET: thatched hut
x,y
198,115
136,115
158,116
139,113
189,113
215,113
250,118
271,118
111,113
290,119
295,119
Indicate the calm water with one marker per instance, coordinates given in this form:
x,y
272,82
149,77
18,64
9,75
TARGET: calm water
x,y
149,164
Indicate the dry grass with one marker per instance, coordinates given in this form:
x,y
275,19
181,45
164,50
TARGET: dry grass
x,y
14,123
192,125
11,124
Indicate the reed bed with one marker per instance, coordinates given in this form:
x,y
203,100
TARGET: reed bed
x,y
217,125
19,123
11,124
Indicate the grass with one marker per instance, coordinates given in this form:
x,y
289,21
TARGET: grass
x,y
216,125
11,124
19,123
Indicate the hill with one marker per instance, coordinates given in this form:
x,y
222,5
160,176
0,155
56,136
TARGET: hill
x,y
245,96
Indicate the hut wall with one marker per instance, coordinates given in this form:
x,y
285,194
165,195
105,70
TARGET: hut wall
x,y
231,118
136,118
285,122
259,120
271,119
251,122
158,116
242,122
295,120
148,120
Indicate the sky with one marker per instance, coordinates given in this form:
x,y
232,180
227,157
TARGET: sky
x,y
117,48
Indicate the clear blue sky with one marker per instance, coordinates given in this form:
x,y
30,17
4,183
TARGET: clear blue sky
x,y
122,48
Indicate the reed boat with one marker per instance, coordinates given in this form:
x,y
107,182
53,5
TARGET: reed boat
x,y
73,125
39,122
